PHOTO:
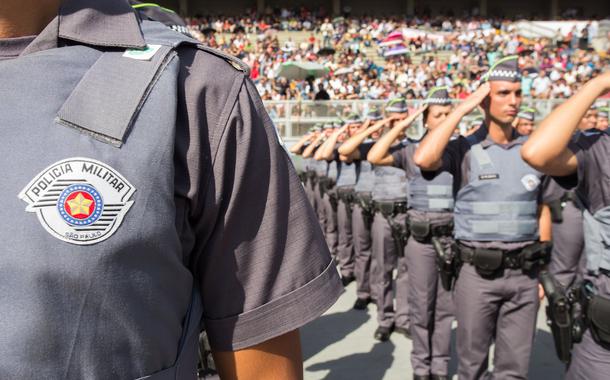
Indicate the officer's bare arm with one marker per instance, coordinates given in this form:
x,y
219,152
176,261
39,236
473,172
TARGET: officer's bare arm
x,y
380,152
352,144
545,223
296,148
276,359
308,152
328,148
429,153
546,149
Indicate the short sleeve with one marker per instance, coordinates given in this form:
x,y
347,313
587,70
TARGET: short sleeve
x,y
262,264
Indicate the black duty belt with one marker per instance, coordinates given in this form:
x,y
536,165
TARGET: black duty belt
x,y
390,208
509,258
490,261
346,194
423,231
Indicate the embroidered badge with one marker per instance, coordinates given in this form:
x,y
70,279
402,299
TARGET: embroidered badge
x,y
79,200
530,181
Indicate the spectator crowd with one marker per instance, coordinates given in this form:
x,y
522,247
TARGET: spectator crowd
x,y
445,51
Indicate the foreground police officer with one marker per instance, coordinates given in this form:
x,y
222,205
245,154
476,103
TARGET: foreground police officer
x,y
134,216
583,162
430,213
496,225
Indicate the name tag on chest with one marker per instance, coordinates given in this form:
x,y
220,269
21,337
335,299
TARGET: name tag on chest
x,y
484,177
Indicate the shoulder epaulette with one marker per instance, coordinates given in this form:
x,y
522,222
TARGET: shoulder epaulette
x,y
238,64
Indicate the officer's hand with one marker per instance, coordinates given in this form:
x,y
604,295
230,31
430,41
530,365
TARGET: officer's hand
x,y
604,80
540,292
475,98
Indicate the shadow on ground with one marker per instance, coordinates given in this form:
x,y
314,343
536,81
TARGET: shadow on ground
x,y
329,329
368,365
544,363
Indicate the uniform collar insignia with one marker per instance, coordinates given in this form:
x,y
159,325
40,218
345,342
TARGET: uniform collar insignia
x,y
100,23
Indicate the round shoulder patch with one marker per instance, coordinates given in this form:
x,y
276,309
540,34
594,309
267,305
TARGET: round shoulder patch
x,y
79,200
530,182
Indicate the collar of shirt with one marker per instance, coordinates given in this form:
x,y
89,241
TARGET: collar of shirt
x,y
483,137
109,23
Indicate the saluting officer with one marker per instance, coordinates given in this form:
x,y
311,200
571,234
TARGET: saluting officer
x,y
497,215
525,121
321,171
388,234
583,163
135,215
430,213
308,177
356,148
602,119
346,180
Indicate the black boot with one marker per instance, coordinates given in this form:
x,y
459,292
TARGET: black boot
x,y
421,377
346,280
383,333
361,303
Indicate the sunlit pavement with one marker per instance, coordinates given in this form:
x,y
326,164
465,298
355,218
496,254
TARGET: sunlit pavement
x,y
340,345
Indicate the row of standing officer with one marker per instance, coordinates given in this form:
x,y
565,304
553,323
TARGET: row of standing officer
x,y
501,229
388,199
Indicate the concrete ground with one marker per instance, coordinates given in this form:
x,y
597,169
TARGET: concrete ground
x,y
340,345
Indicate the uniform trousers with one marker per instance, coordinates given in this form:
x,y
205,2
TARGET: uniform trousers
x,y
568,262
502,309
387,259
345,246
431,311
330,230
363,265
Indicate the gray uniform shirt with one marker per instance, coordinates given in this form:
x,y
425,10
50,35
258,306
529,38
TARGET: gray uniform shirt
x,y
258,280
403,158
456,161
593,173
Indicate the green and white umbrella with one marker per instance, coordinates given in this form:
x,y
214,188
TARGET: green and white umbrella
x,y
302,70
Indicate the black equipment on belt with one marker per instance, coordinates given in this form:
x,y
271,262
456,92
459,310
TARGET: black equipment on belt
x,y
423,231
490,262
400,234
348,197
365,201
325,186
446,262
558,205
572,311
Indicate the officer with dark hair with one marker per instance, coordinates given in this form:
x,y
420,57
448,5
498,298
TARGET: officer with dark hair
x,y
583,163
497,216
134,217
430,222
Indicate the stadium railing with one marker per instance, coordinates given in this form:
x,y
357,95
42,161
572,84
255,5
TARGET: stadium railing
x,y
293,118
